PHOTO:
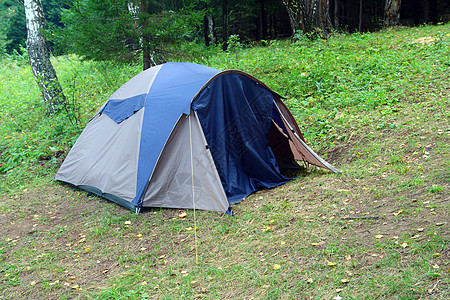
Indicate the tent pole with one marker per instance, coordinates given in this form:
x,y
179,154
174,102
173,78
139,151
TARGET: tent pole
x,y
193,189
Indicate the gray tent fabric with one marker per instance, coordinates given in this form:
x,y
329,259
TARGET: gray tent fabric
x,y
171,183
105,156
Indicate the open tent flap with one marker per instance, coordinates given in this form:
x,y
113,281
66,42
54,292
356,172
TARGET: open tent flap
x,y
301,151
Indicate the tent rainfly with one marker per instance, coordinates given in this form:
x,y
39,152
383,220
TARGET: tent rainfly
x,y
181,129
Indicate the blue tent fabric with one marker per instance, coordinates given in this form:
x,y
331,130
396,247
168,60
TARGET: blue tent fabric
x,y
121,109
169,97
236,114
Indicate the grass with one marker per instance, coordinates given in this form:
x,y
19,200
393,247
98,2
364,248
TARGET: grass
x,y
375,105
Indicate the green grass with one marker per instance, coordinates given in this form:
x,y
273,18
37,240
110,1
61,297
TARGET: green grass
x,y
376,105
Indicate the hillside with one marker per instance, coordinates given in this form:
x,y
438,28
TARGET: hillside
x,y
375,105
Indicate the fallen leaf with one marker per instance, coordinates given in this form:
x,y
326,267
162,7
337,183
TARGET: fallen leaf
x,y
127,223
379,236
309,280
435,267
282,242
331,264
189,228
139,235
53,283
397,213
348,257
33,283
267,228
345,280
144,283
76,287
439,224
404,245
182,215
436,254
420,229
143,249
105,271
337,297
276,266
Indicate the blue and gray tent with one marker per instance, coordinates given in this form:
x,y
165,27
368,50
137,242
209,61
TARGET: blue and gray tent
x,y
180,129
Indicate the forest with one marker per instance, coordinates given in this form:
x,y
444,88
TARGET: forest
x,y
115,27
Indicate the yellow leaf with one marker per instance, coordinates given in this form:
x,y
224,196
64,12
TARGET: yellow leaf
x,y
189,228
331,264
282,242
379,236
75,287
143,249
182,215
348,257
404,245
87,249
268,228
127,222
33,283
144,283
436,254
276,266
105,271
345,281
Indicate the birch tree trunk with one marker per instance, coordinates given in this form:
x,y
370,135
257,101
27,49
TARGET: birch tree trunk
x,y
39,56
309,15
392,12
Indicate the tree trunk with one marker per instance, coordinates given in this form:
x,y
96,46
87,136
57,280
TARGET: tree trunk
x,y
336,14
262,21
309,15
205,30
39,56
360,15
146,55
392,12
225,24
212,33
295,13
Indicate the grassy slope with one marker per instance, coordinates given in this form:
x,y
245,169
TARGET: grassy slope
x,y
376,105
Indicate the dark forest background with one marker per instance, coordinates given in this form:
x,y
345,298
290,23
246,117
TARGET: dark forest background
x,y
201,22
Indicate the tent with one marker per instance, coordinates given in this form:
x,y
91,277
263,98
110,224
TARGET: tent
x,y
183,135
